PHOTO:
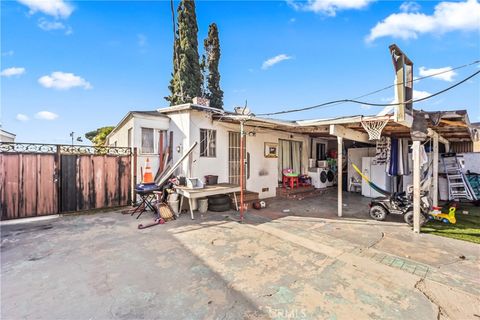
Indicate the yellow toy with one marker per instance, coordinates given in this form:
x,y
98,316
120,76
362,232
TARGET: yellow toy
x,y
436,214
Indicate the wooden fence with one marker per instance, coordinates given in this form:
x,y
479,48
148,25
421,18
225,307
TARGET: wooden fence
x,y
40,179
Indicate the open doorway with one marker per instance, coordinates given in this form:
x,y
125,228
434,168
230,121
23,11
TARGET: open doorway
x,y
289,156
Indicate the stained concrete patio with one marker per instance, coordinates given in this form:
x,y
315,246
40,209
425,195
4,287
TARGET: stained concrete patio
x,y
304,265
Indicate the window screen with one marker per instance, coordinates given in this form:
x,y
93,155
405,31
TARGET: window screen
x,y
208,141
147,140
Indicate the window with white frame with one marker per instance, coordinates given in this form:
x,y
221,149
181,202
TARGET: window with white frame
x,y
208,141
147,140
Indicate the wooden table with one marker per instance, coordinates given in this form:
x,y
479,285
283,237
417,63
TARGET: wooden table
x,y
208,190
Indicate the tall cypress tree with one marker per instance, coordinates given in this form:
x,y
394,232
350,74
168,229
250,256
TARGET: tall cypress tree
x,y
212,48
189,74
186,80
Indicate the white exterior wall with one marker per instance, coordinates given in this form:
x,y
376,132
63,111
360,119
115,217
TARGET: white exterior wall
x,y
138,122
180,126
6,137
186,126
202,166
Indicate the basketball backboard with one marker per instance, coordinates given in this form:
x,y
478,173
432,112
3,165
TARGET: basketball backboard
x,y
403,67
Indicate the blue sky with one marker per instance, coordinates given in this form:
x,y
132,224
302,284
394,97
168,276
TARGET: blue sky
x,y
76,66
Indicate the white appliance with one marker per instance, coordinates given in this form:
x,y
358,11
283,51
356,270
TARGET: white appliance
x,y
322,163
376,174
319,177
331,177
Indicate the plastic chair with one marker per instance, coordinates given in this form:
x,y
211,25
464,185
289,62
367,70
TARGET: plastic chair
x,y
289,177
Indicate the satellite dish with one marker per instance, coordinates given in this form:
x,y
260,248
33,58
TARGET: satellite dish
x,y
242,110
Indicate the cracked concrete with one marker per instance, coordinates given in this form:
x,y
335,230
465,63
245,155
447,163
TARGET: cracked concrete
x,y
292,267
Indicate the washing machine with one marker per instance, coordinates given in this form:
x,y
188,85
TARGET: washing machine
x,y
331,177
319,177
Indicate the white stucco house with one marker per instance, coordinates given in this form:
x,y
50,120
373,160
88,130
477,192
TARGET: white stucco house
x,y
273,145
6,136
218,152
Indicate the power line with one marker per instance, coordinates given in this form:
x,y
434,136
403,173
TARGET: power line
x,y
330,103
421,78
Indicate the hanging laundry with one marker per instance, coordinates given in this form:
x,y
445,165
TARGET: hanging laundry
x,y
406,163
400,171
393,168
382,154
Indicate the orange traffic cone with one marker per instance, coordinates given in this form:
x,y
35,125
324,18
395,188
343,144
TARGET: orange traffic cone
x,y
147,174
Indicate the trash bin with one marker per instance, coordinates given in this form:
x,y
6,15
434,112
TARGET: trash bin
x,y
202,205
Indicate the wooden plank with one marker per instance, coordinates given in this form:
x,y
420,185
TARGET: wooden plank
x,y
2,186
11,170
85,178
28,186
68,183
341,131
99,181
111,181
124,180
47,195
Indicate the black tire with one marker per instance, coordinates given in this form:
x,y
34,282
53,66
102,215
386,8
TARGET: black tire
x,y
378,212
219,207
219,199
408,217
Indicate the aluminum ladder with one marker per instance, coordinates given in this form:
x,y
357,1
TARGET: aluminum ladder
x,y
458,186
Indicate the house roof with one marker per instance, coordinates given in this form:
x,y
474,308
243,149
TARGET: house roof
x,y
6,133
130,114
452,125
189,106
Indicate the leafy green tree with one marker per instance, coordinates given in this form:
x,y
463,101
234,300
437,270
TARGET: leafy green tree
x,y
212,49
98,137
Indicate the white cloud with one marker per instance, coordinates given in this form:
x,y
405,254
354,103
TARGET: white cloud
x,y
54,8
328,7
64,81
418,94
292,20
410,6
447,75
10,72
274,60
447,16
46,115
46,25
22,117
8,53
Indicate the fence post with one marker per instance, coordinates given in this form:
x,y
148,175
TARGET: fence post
x,y
134,175
58,175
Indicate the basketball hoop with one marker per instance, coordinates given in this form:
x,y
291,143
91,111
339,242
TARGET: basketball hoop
x,y
374,128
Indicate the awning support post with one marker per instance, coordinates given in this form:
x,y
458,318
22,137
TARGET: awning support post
x,y
416,186
435,171
340,174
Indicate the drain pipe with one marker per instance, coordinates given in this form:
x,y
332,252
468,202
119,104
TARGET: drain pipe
x,y
242,169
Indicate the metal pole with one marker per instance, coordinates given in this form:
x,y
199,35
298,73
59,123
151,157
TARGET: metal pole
x,y
416,186
242,163
340,175
435,170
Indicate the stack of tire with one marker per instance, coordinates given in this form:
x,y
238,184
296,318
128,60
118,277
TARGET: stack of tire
x,y
219,203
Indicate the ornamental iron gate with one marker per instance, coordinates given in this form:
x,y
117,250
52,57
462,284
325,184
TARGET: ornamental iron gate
x,y
44,179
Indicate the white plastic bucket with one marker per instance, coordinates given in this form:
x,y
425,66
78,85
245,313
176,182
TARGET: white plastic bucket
x,y
173,197
174,205
202,205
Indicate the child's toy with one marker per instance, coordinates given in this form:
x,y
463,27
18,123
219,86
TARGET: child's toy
x,y
436,214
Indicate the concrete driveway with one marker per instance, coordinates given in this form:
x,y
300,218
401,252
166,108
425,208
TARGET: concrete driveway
x,y
291,267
